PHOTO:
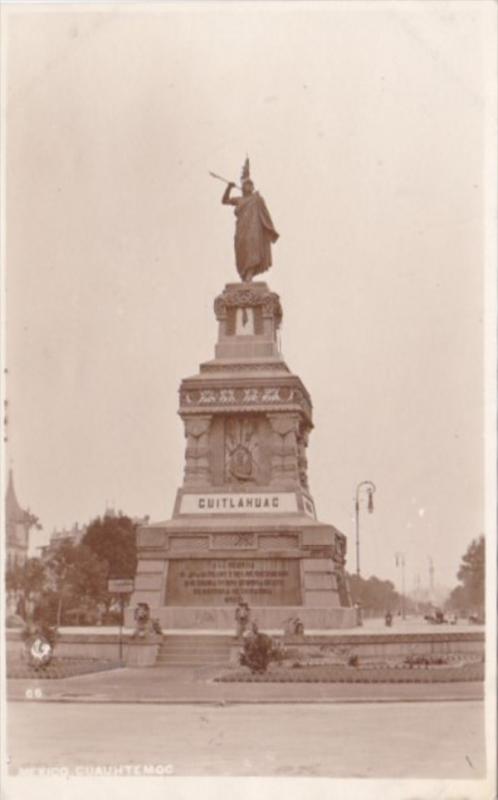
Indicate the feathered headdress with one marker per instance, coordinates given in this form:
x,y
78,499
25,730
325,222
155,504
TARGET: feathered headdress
x,y
245,175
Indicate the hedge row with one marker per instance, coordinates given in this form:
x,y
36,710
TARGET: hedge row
x,y
339,674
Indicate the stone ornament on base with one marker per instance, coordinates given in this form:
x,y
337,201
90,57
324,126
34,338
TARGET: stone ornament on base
x,y
143,644
244,520
145,627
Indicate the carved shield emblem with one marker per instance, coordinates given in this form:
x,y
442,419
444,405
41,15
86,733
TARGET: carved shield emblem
x,y
240,450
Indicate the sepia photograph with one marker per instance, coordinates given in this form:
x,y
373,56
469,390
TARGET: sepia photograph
x,y
248,378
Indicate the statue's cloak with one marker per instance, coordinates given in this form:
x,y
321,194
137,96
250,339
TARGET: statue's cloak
x,y
254,233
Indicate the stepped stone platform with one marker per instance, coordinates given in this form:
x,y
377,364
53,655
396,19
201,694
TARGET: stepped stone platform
x,y
244,524
194,650
205,649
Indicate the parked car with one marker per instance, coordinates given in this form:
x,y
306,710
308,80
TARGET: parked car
x,y
436,618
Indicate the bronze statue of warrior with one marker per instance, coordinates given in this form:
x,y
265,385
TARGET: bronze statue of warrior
x,y
254,229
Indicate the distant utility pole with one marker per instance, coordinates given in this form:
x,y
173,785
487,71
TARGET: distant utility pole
x,y
417,592
400,562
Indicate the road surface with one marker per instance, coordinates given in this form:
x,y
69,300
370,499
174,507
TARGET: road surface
x,y
371,740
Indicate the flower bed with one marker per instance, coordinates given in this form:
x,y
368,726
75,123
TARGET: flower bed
x,y
323,673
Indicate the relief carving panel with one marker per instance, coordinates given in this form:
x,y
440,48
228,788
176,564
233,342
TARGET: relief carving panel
x,y
189,543
277,541
229,541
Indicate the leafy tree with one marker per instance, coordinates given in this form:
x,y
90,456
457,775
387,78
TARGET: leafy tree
x,y
471,574
114,541
28,578
26,582
457,599
79,578
376,595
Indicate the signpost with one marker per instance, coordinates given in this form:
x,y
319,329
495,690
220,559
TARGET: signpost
x,y
120,586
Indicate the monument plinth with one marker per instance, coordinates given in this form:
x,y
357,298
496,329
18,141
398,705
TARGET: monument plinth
x,y
244,520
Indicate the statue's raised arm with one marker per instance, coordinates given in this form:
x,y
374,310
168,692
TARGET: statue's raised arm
x,y
254,229
226,199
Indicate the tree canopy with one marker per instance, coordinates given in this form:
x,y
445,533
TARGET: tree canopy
x,y
375,594
71,581
113,540
78,577
471,574
26,579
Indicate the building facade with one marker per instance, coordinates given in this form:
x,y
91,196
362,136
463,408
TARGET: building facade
x,y
18,524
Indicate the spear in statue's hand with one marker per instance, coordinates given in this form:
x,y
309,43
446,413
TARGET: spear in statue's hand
x,y
218,177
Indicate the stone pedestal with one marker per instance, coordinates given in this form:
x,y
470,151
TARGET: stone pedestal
x,y
142,652
244,521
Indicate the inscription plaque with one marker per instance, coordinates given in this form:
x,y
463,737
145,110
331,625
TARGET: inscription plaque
x,y
218,582
239,503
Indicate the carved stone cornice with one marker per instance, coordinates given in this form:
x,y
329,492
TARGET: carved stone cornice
x,y
276,391
235,398
261,367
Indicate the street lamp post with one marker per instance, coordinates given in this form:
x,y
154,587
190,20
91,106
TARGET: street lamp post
x,y
400,562
369,487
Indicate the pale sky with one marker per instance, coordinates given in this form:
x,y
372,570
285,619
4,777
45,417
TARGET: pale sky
x,y
364,123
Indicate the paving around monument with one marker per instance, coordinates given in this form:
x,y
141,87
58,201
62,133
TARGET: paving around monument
x,y
242,597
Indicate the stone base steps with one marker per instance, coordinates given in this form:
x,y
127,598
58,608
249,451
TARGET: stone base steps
x,y
191,650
